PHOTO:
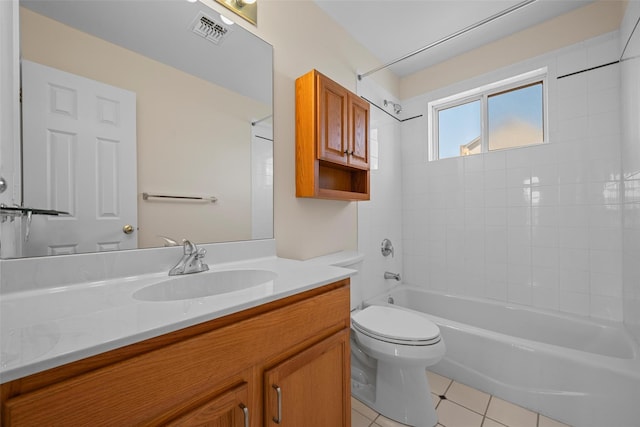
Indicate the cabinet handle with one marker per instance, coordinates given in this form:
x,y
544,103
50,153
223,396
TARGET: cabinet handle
x,y
278,419
245,412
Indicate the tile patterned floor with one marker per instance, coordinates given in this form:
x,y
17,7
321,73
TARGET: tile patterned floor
x,y
463,407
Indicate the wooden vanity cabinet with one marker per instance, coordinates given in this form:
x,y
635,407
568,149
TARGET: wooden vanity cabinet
x,y
229,409
332,140
307,389
219,373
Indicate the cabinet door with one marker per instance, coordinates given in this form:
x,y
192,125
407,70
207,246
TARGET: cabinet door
x,y
358,132
312,388
333,132
226,410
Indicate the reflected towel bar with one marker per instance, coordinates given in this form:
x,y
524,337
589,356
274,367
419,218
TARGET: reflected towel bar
x,y
212,199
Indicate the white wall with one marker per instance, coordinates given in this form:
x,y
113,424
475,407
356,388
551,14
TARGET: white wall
x,y
631,169
540,225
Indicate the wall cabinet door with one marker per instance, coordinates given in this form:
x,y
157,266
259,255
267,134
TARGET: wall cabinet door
x,y
358,132
333,129
228,409
312,388
343,125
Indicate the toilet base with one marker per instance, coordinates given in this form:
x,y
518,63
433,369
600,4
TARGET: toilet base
x,y
404,395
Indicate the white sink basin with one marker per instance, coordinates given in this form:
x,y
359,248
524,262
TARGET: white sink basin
x,y
199,285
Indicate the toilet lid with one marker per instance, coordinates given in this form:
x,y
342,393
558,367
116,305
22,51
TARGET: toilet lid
x,y
395,324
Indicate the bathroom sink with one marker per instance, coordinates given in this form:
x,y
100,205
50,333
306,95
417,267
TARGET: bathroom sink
x,y
200,285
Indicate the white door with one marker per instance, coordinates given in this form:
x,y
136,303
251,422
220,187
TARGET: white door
x,y
79,156
10,241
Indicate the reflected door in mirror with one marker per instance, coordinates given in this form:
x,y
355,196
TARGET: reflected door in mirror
x,y
79,143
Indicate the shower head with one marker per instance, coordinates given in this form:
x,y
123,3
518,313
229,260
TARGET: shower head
x,y
397,108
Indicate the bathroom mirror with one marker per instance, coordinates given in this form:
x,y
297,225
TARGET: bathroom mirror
x,y
179,105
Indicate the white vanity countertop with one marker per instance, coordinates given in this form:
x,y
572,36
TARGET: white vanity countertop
x,y
42,329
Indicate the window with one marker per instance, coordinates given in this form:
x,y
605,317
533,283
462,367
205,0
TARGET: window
x,y
505,114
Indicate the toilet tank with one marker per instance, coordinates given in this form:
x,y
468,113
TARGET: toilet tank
x,y
347,259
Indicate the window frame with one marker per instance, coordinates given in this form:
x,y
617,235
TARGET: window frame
x,y
482,94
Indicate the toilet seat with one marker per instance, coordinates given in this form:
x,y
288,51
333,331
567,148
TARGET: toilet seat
x,y
396,326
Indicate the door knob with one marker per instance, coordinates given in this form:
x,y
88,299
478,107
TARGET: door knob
x,y
127,229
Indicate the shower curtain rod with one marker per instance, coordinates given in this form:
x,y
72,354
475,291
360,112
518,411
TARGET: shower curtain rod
x,y
255,122
449,37
622,58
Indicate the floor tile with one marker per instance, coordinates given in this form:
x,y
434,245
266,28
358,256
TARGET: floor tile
x,y
488,422
436,399
468,397
511,415
548,422
359,420
438,383
363,409
453,415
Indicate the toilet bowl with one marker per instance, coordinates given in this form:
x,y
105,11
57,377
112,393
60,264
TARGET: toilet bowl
x,y
404,344
390,351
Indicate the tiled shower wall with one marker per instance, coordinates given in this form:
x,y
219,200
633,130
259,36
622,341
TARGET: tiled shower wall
x,y
541,225
631,168
380,217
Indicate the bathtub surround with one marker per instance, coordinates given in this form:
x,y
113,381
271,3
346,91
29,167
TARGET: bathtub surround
x,y
540,225
381,217
630,91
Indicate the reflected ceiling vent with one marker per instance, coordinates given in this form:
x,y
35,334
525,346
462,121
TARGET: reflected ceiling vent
x,y
211,29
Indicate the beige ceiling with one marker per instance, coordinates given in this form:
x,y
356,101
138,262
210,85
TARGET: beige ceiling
x,y
391,29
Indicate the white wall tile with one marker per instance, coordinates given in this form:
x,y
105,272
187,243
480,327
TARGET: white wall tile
x,y
573,237
546,297
573,259
608,308
575,303
539,225
573,280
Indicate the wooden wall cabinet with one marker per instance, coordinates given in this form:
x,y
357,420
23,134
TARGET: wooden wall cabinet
x,y
332,140
287,361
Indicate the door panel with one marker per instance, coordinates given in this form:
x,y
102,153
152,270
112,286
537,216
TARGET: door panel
x,y
359,132
333,138
311,388
226,410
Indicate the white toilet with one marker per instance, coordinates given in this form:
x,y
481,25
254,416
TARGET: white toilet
x,y
390,350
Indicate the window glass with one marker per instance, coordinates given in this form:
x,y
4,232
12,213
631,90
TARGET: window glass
x,y
515,117
459,130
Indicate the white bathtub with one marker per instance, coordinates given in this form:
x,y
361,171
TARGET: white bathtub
x,y
573,369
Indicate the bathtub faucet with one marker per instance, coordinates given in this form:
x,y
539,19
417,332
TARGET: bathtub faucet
x,y
394,276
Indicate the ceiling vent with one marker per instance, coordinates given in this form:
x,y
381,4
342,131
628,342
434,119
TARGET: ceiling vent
x,y
209,28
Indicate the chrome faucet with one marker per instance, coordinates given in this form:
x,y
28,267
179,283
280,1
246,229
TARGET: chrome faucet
x,y
191,261
394,276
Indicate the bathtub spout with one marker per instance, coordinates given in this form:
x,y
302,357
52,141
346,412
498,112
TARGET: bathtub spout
x,y
394,276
